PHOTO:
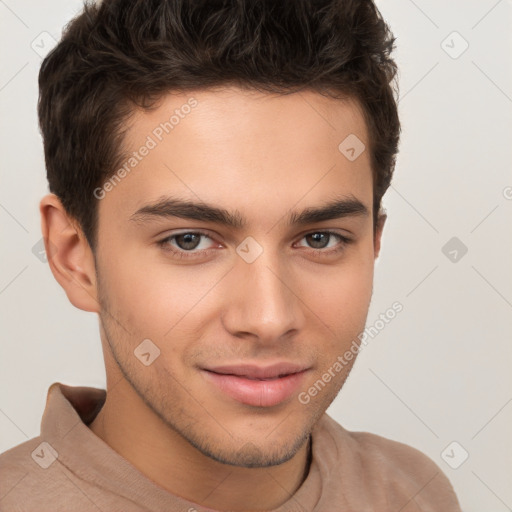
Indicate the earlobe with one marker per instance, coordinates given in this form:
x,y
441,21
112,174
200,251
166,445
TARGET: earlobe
x,y
69,255
381,219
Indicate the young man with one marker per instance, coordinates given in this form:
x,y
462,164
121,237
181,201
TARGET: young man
x,y
216,171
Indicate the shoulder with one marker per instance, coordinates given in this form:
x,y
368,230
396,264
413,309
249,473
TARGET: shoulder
x,y
18,459
28,476
397,468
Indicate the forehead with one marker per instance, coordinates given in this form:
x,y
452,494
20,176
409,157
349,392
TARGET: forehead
x,y
243,150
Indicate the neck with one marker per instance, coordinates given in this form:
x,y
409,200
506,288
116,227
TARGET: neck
x,y
134,431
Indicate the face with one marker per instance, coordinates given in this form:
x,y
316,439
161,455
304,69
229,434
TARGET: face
x,y
250,286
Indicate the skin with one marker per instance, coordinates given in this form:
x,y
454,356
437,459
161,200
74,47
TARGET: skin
x,y
263,155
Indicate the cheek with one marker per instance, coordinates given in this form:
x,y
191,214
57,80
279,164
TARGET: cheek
x,y
342,299
157,298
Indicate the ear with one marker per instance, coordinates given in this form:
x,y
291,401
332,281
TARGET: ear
x,y
381,219
69,255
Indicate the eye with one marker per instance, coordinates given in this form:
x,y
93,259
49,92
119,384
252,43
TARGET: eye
x,y
186,245
320,242
194,244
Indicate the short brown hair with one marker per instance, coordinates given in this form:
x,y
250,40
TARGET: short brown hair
x,y
123,54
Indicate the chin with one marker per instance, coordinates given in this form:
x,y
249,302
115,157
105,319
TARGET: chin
x,y
250,455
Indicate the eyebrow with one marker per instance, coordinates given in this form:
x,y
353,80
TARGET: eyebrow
x,y
174,207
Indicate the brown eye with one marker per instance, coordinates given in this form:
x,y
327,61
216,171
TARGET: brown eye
x,y
188,241
188,244
320,240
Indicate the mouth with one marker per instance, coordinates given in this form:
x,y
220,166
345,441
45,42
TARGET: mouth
x,y
257,386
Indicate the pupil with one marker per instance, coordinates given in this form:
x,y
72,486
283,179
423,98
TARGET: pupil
x,y
189,242
317,238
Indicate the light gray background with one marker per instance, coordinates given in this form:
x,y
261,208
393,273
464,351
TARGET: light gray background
x,y
440,371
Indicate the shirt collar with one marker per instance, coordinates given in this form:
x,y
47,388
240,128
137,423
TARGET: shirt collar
x,y
68,411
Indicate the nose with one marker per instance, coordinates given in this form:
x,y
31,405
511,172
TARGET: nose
x,y
263,304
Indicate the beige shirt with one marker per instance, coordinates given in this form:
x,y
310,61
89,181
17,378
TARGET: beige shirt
x,y
69,469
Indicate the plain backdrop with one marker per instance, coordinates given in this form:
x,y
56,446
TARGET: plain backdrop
x,y
438,375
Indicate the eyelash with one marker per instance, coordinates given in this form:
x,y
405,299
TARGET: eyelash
x,y
182,254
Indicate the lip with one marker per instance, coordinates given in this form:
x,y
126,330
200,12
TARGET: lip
x,y
255,385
